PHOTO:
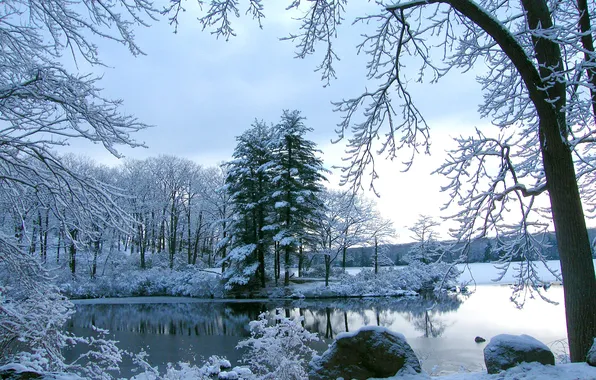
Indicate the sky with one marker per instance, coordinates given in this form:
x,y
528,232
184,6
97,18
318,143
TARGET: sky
x,y
199,92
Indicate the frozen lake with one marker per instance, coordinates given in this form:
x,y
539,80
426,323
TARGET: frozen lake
x,y
174,329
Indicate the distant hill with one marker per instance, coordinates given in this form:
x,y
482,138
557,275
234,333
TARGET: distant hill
x,y
481,250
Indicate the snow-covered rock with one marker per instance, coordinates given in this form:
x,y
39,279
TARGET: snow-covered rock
x,y
18,372
591,357
505,351
369,352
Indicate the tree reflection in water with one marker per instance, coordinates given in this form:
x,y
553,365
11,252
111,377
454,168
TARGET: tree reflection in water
x,y
189,331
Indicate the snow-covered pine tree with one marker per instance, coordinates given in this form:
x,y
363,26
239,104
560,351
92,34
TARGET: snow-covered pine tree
x,y
249,185
297,177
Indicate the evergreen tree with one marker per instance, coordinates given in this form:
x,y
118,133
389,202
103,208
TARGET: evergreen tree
x,y
249,183
297,177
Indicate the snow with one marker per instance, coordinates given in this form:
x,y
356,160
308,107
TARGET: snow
x,y
518,342
482,273
524,371
378,329
486,273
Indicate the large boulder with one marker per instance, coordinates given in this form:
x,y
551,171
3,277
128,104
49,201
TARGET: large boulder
x,y
505,351
591,357
369,352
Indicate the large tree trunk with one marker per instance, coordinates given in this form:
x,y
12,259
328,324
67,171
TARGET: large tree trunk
x,y
577,267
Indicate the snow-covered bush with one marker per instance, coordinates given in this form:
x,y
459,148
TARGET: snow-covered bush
x,y
189,282
212,368
32,316
416,277
278,351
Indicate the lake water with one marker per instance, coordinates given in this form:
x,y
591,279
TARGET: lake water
x,y
441,332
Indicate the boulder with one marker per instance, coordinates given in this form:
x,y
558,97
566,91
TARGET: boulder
x,y
505,351
479,339
591,357
11,374
369,352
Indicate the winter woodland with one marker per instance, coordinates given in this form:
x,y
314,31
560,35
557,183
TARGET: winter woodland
x,y
69,226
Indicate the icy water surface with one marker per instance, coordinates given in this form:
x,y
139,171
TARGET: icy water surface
x,y
441,331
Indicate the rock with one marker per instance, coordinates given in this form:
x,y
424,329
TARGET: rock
x,y
369,352
505,351
11,374
479,339
591,356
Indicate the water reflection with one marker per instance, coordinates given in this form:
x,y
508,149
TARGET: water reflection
x,y
440,330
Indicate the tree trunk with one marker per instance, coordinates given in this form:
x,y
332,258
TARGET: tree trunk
x,y
287,251
376,256
197,239
327,269
96,249
223,248
277,263
300,259
58,246
577,267
588,44
173,232
73,252
34,232
44,237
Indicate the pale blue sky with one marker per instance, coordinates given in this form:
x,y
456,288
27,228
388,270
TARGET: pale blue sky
x,y
200,92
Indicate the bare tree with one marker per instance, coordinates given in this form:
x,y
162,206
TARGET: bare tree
x,y
426,248
42,106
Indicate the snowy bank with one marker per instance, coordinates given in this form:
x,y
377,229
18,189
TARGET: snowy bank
x,y
389,282
525,371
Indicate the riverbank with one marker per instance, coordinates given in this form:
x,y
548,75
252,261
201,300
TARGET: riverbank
x,y
190,282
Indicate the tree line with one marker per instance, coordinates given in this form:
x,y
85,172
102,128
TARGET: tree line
x,y
255,216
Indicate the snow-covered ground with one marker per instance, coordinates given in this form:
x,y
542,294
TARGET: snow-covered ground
x,y
525,371
488,273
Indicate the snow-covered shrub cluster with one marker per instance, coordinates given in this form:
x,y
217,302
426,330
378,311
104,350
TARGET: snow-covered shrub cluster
x,y
32,316
214,368
188,282
277,349
319,271
280,350
416,277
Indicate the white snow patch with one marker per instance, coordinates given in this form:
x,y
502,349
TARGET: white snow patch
x,y
518,342
524,371
378,329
